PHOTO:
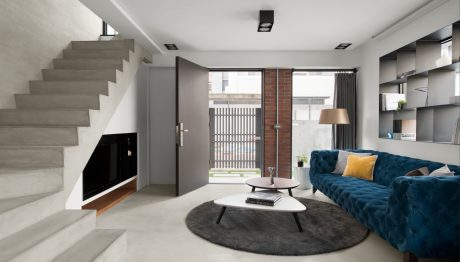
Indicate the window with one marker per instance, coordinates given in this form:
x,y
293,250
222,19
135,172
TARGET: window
x,y
312,91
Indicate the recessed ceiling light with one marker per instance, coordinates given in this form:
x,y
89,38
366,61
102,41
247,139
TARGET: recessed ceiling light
x,y
343,46
266,20
171,47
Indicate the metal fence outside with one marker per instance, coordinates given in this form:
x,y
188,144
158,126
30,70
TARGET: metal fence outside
x,y
235,137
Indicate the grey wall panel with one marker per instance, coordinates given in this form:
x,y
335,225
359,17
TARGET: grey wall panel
x,y
385,123
162,126
426,55
425,124
405,62
387,70
441,86
444,123
404,115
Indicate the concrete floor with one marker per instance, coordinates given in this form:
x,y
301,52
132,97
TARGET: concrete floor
x,y
155,220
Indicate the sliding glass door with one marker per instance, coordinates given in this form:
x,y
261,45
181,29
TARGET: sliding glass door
x,y
312,92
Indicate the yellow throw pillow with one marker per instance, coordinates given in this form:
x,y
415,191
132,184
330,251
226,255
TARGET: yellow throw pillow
x,y
360,167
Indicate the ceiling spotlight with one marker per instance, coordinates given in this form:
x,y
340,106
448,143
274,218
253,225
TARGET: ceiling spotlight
x,y
171,47
266,20
343,46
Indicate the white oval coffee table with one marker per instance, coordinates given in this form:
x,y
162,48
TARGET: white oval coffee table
x,y
285,204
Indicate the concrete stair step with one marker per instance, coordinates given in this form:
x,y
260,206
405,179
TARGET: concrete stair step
x,y
26,181
96,53
48,238
38,136
26,211
112,44
69,87
98,246
88,63
79,74
57,101
44,117
31,157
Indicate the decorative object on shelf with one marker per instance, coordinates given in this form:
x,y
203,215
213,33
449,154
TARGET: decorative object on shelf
x,y
423,90
390,135
271,171
336,116
401,104
302,160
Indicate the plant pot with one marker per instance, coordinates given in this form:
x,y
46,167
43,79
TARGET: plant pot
x,y
299,163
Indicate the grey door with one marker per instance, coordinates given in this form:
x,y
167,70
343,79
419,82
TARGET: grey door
x,y
192,129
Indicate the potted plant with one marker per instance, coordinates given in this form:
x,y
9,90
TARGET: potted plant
x,y
301,160
401,104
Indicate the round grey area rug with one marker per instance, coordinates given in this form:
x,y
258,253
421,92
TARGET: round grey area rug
x,y
326,228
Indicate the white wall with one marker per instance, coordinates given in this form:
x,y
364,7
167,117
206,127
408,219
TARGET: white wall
x,y
368,87
131,116
33,33
162,125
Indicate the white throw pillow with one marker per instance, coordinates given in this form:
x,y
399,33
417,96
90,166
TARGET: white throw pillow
x,y
342,160
442,171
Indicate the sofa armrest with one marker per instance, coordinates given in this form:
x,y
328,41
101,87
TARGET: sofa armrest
x,y
323,161
423,215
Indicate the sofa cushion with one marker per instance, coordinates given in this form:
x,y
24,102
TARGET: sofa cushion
x,y
423,171
342,159
361,167
364,200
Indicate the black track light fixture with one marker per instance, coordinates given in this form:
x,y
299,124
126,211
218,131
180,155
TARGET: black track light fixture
x,y
266,20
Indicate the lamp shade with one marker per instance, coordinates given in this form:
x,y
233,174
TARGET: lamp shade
x,y
337,116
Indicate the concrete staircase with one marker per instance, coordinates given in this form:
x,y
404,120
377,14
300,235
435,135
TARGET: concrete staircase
x,y
44,145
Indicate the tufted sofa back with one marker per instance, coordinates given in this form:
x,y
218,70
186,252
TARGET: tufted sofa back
x,y
390,166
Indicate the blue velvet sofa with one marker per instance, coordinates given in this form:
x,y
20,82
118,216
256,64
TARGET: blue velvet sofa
x,y
417,215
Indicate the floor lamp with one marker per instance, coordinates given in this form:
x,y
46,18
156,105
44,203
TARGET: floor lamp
x,y
336,116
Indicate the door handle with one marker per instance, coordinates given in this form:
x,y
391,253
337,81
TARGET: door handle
x,y
180,134
257,138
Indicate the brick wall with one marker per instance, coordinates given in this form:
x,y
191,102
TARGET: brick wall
x,y
285,116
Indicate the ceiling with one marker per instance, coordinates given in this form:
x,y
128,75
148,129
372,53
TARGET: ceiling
x,y
300,25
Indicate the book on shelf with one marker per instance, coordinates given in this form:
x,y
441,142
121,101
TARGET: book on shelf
x,y
263,198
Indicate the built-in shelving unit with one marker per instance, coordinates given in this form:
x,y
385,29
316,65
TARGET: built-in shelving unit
x,y
424,73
